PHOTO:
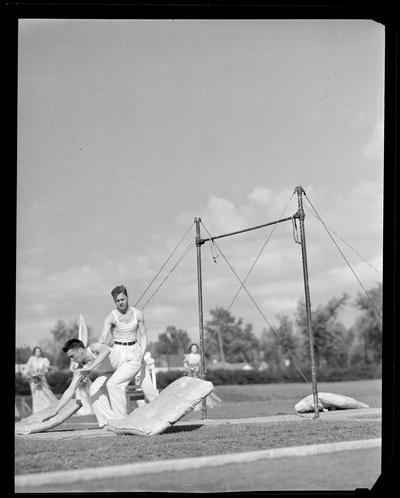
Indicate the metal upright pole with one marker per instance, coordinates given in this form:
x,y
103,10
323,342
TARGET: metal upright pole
x,y
300,215
199,242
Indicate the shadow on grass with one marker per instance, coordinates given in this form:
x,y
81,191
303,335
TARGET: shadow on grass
x,y
72,428
182,428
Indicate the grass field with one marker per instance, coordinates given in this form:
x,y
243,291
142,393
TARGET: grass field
x,y
50,455
264,400
197,440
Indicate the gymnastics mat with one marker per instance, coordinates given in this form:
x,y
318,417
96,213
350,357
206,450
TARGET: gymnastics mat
x,y
328,401
173,402
34,423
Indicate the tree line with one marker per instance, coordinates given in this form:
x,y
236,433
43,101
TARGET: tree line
x,y
229,339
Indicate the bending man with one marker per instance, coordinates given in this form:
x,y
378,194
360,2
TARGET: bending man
x,y
117,365
94,357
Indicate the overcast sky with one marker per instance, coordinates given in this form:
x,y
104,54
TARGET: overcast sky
x,y
129,129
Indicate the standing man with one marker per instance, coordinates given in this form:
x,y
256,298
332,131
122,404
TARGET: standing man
x,y
126,326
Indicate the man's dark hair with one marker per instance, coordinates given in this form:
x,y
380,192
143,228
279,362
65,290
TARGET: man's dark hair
x,y
73,343
118,290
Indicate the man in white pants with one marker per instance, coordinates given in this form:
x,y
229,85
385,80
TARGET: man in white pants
x,y
125,328
107,391
125,324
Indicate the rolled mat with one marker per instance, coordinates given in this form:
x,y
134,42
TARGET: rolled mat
x,y
34,423
175,401
328,401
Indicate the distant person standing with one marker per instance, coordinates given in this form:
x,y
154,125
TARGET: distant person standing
x,y
125,324
37,367
192,363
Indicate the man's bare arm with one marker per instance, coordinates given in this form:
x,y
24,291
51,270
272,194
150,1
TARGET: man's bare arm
x,y
101,351
106,329
68,393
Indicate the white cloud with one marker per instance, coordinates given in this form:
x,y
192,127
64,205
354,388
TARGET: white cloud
x,y
184,219
260,196
221,216
109,204
342,275
373,148
276,281
357,214
274,200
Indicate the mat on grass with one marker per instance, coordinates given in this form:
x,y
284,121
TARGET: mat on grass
x,y
328,401
35,422
175,401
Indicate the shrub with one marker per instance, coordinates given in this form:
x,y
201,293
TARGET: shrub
x,y
166,378
354,372
238,377
22,385
60,380
242,377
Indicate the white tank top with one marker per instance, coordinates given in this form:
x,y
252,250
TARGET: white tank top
x,y
125,331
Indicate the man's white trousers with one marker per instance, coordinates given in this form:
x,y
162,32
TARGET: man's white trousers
x,y
107,391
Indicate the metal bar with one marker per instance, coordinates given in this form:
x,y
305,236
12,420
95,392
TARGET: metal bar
x,y
201,241
300,214
200,307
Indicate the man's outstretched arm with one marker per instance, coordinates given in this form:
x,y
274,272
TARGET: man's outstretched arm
x,y
68,393
101,351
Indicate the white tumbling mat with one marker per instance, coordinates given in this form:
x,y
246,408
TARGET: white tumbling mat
x,y
175,401
34,423
328,401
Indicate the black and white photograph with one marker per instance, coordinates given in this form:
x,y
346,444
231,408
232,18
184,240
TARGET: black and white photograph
x,y
199,254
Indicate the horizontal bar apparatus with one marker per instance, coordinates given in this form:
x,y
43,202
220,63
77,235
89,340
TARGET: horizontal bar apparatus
x,y
201,241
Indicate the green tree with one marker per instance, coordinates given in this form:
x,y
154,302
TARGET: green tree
x,y
22,354
281,345
60,333
369,324
239,344
331,340
172,341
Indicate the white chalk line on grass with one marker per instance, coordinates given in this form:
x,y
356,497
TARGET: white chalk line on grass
x,y
77,475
